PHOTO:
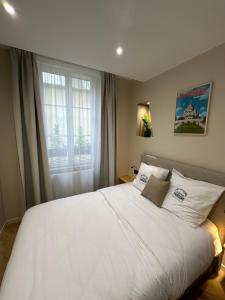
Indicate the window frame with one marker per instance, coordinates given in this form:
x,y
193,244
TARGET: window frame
x,y
70,73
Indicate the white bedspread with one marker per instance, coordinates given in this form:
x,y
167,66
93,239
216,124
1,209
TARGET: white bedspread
x,y
110,244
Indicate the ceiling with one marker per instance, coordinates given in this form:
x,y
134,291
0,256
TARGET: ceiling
x,y
156,35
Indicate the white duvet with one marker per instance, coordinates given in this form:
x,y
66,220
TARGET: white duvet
x,y
112,244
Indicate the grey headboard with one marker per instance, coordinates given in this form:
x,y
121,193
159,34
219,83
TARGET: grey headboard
x,y
217,215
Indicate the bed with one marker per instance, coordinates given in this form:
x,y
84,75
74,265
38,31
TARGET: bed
x,y
110,244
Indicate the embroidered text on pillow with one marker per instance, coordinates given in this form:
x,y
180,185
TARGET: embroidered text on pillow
x,y
180,194
145,171
144,178
190,199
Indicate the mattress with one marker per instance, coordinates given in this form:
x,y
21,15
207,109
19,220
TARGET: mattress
x,y
110,244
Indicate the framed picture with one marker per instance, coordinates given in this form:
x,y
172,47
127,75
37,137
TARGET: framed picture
x,y
192,108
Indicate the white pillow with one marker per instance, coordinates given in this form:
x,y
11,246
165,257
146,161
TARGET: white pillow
x,y
145,171
190,199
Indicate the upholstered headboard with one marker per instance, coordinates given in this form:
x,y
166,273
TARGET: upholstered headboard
x,y
217,215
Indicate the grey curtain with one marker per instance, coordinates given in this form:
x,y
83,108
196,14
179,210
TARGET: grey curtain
x,y
30,138
108,131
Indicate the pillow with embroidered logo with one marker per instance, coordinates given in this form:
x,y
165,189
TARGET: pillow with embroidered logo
x,y
145,171
190,199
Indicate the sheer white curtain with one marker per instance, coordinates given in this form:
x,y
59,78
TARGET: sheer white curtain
x,y
71,104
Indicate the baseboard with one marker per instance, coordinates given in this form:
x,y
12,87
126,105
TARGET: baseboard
x,y
13,220
2,229
10,221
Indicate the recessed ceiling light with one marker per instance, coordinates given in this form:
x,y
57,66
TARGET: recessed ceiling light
x,y
119,51
9,8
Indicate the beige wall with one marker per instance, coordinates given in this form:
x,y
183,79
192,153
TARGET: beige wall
x,y
9,168
207,151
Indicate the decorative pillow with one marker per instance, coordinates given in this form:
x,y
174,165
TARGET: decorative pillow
x,y
156,190
190,199
145,171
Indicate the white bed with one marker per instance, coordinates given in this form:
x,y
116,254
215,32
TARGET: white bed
x,y
112,244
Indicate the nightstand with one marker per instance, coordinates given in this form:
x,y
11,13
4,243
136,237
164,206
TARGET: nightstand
x,y
126,178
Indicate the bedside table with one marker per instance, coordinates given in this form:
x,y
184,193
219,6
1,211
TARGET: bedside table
x,y
126,178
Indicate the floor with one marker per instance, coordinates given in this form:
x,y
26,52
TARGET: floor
x,y
6,242
212,289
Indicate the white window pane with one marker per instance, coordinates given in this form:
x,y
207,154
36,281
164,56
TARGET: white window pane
x,y
56,134
68,112
82,121
81,99
54,95
81,84
53,79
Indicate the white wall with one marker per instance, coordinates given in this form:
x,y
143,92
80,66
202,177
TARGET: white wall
x,y
9,167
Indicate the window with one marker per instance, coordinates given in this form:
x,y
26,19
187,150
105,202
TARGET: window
x,y
71,106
